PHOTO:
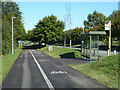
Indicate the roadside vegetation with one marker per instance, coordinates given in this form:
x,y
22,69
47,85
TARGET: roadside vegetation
x,y
50,30
9,10
105,71
59,52
7,62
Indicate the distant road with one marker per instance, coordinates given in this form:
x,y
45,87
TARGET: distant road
x,y
34,69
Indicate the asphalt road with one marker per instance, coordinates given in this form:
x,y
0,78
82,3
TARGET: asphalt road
x,y
34,69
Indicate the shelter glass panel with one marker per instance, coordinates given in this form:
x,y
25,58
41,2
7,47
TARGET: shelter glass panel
x,y
94,46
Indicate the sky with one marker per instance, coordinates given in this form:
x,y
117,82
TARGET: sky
x,y
35,11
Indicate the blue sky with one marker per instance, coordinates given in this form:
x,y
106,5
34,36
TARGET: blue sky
x,y
35,11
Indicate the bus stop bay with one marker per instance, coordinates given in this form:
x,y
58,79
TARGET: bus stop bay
x,y
90,45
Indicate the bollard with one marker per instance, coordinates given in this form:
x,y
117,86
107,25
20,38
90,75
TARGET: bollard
x,y
114,52
51,48
91,57
108,52
48,48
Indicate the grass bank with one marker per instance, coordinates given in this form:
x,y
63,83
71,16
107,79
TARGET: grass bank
x,y
105,71
7,62
62,52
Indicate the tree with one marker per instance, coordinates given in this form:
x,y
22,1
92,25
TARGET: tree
x,y
96,22
68,19
115,20
9,10
75,35
49,30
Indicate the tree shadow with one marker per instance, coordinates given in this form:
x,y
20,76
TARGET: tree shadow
x,y
32,47
68,55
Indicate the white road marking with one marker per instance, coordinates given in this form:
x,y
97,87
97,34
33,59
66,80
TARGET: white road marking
x,y
58,72
43,73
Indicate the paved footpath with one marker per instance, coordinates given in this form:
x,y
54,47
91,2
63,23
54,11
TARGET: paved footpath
x,y
34,69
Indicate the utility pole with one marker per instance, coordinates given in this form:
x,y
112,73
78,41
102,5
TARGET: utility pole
x,y
83,19
68,18
65,33
69,22
12,34
83,27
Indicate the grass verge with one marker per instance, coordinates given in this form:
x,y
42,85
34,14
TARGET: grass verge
x,y
59,52
105,71
7,62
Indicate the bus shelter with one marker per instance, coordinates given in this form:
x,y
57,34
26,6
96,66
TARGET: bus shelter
x,y
90,45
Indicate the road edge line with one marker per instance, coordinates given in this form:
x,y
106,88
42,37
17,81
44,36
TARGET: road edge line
x,y
43,73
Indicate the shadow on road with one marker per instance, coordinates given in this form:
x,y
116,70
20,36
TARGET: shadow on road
x,y
32,47
68,55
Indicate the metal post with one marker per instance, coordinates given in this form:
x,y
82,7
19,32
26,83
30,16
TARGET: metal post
x,y
12,35
108,52
114,52
98,47
90,48
110,39
70,43
83,27
64,43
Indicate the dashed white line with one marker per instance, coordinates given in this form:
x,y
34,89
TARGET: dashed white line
x,y
43,73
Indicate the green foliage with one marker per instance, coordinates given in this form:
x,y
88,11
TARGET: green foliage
x,y
108,64
105,71
62,52
9,10
74,34
7,62
47,30
115,20
96,22
50,30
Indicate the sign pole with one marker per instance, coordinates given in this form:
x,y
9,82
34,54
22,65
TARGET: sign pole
x,y
108,27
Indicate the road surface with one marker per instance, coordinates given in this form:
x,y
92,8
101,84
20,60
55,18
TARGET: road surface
x,y
34,69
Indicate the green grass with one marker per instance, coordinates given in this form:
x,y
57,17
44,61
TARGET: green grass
x,y
7,62
77,45
62,52
104,71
